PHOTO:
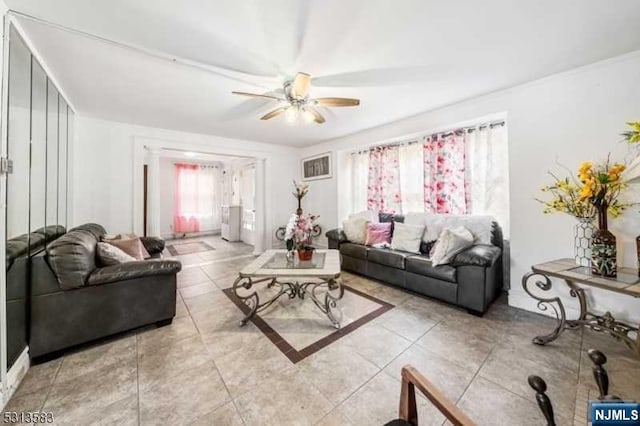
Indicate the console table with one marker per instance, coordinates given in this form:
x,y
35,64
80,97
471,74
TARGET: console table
x,y
627,282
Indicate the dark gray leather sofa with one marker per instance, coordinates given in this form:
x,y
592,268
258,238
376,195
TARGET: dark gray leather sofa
x,y
19,251
74,300
472,280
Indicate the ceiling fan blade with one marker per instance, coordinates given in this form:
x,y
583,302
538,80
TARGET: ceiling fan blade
x,y
337,102
301,85
256,95
317,117
273,113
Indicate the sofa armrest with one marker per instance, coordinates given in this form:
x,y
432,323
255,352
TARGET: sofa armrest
x,y
133,270
153,245
478,255
336,237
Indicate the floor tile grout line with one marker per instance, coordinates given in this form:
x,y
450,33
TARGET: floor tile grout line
x,y
215,366
381,370
53,382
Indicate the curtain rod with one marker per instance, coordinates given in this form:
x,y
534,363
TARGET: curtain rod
x,y
444,134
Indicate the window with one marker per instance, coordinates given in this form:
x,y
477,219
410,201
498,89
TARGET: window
x,y
459,172
198,198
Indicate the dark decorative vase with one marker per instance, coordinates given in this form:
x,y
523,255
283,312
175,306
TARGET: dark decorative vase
x,y
603,249
305,254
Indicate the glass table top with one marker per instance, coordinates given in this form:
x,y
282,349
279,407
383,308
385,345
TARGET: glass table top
x,y
279,261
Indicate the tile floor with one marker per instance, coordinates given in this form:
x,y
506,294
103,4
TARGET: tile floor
x,y
203,369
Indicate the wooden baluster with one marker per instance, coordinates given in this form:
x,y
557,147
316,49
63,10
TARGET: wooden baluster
x,y
599,373
544,402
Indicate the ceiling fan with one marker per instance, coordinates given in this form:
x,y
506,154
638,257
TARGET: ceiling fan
x,y
297,105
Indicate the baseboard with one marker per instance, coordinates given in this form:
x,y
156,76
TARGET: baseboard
x,y
15,375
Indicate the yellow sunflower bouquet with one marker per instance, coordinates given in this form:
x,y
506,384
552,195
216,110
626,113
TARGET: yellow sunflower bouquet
x,y
566,198
601,186
593,186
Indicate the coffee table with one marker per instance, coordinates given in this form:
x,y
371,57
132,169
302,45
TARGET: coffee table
x,y
293,278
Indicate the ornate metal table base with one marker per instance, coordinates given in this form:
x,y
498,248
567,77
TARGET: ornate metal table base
x,y
601,323
326,302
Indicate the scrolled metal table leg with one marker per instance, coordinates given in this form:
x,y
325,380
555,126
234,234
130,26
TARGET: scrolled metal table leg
x,y
544,304
329,301
575,291
252,300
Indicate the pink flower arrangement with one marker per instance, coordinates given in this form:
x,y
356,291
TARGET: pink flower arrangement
x,y
299,230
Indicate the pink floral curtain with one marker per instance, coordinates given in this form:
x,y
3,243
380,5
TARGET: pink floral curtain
x,y
383,188
186,217
445,187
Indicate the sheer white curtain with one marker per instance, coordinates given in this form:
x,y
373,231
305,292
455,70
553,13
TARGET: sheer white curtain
x,y
487,173
359,170
199,193
411,164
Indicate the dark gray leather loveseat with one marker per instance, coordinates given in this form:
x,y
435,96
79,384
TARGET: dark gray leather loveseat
x,y
472,280
74,300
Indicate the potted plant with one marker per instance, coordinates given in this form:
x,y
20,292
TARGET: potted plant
x,y
298,235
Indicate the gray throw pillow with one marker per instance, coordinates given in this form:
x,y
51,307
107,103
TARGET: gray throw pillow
x,y
112,255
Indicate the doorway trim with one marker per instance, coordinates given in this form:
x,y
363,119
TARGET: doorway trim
x,y
143,144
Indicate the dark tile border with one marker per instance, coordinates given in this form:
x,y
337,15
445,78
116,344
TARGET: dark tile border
x,y
174,252
297,356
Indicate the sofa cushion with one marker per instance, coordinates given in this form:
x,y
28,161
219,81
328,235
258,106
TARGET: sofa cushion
x,y
407,237
354,250
72,258
378,234
388,257
51,232
355,229
450,243
109,254
478,255
96,229
422,266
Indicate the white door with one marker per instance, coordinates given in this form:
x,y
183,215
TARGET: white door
x,y
247,202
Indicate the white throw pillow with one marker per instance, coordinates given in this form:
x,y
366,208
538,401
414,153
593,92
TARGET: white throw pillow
x,y
479,226
112,255
355,229
450,243
407,237
370,215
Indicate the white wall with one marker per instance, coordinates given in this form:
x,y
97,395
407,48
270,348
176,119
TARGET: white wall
x,y
569,117
103,171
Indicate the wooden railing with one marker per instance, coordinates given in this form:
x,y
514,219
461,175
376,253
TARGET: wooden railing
x,y
412,379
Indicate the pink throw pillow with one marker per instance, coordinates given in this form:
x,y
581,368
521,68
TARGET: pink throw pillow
x,y
378,233
132,247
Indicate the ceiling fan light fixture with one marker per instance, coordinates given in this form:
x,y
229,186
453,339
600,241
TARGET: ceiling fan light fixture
x,y
291,115
307,116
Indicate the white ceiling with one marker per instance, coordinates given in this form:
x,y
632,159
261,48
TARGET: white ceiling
x,y
400,58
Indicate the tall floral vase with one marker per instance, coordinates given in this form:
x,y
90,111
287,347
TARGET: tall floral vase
x,y
603,248
583,238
